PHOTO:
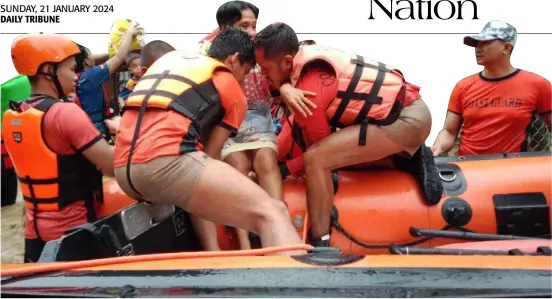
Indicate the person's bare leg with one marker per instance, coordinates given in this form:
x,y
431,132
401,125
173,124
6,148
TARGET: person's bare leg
x,y
338,150
382,164
223,195
206,232
243,238
266,167
240,161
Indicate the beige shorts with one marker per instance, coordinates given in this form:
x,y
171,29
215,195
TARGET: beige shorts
x,y
165,180
412,127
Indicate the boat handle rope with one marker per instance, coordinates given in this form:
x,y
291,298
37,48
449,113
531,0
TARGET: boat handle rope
x,y
340,229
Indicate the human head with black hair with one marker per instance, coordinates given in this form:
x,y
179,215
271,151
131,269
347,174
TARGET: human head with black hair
x,y
133,63
240,15
275,47
234,48
151,52
307,42
84,61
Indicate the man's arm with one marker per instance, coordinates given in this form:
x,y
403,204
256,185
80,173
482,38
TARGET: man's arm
x,y
283,140
324,83
315,127
286,147
99,58
233,100
215,142
99,74
453,122
100,154
447,137
85,138
124,49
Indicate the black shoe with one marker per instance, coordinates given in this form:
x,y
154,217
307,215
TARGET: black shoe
x,y
429,176
422,167
321,242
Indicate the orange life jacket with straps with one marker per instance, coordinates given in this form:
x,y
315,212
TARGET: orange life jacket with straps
x,y
48,181
181,81
368,91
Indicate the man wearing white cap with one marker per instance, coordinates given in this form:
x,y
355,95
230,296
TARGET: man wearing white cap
x,y
494,107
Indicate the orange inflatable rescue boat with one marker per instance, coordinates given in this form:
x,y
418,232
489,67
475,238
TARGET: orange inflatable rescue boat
x,y
491,194
485,198
488,235
250,273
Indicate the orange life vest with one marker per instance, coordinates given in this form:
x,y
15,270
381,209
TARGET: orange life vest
x,y
181,81
368,91
48,181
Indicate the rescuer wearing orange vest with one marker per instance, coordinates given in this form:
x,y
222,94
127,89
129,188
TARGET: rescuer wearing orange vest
x,y
379,113
55,148
171,135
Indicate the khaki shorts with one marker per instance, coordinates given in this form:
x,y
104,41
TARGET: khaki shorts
x,y
165,180
412,127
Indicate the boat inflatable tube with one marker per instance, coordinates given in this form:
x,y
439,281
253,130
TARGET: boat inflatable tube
x,y
484,198
504,195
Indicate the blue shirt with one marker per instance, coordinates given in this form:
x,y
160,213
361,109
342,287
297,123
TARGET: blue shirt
x,y
127,88
91,95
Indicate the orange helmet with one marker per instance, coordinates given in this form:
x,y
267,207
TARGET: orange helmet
x,y
29,51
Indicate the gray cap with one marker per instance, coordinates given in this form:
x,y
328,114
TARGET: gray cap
x,y
493,30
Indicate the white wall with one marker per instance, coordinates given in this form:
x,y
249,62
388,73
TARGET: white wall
x,y
433,61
